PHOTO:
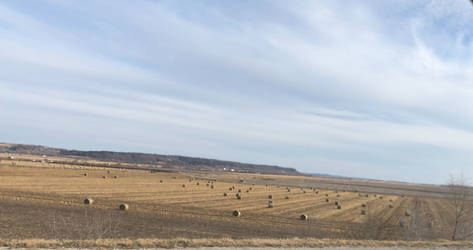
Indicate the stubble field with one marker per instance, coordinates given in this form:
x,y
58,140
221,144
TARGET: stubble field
x,y
46,200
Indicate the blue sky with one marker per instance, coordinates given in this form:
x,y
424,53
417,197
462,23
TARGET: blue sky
x,y
375,89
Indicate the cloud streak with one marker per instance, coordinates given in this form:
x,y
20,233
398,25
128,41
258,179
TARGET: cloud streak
x,y
360,89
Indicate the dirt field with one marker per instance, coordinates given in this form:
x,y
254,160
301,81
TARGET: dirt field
x,y
46,200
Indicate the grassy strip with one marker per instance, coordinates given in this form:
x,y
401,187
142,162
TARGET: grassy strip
x,y
224,242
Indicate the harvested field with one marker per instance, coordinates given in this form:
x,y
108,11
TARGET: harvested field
x,y
46,200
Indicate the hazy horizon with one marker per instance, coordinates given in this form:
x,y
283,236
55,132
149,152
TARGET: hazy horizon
x,y
368,89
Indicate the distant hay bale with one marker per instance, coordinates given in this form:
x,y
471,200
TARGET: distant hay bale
x,y
363,212
207,184
270,196
363,205
183,185
236,213
288,189
270,204
287,197
230,188
247,190
88,201
104,177
224,194
336,203
304,217
238,196
251,189
161,181
115,177
316,191
108,172
124,207
85,174
380,197
239,190
339,207
197,184
304,191
359,195
326,200
212,186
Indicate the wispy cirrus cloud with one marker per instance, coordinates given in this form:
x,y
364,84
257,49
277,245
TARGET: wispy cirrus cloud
x,y
368,89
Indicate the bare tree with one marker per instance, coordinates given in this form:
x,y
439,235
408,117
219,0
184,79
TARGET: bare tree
x,y
461,223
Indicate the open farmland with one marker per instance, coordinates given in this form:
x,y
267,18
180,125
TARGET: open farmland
x,y
46,200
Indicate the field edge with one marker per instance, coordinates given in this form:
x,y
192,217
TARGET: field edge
x,y
223,242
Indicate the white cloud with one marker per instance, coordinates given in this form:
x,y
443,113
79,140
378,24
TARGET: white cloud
x,y
334,84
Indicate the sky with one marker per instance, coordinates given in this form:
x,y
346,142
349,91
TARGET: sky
x,y
373,89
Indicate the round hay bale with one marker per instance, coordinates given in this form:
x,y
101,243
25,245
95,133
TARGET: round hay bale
x,y
247,190
124,207
288,189
381,197
85,174
212,186
197,184
224,194
363,205
317,192
207,184
287,197
108,171
236,213
251,189
239,190
338,195
339,206
336,203
270,204
363,212
230,188
161,181
326,200
304,217
88,201
115,177
270,196
238,196
104,177
304,192
326,195
183,185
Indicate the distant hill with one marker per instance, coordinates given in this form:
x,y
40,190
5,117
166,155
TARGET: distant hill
x,y
165,161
